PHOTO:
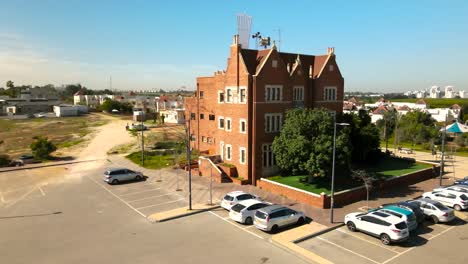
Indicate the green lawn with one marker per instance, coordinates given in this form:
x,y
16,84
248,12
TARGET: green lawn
x,y
152,162
387,167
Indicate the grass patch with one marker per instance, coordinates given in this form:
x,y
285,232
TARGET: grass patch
x,y
70,143
152,162
391,167
121,149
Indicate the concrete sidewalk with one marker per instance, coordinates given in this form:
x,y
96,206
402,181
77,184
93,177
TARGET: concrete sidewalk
x,y
43,165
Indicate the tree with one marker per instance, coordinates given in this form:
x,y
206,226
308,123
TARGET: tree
x,y
10,84
367,178
417,127
305,144
387,125
42,147
363,135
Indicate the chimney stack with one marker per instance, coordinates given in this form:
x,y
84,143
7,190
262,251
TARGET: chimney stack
x,y
330,50
235,40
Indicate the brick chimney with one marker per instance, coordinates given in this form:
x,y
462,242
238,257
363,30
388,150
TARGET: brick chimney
x,y
330,50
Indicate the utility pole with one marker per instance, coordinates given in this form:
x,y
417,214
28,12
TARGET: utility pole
x,y
211,184
189,155
443,152
142,143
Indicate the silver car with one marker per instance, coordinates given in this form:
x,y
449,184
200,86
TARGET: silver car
x,y
117,175
435,210
272,217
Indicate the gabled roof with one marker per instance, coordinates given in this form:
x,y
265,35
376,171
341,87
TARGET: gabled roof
x,y
254,60
404,108
380,110
421,102
455,106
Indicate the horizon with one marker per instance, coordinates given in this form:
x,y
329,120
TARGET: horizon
x,y
381,47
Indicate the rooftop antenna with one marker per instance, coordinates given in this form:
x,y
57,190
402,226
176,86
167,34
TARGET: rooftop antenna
x,y
257,36
244,24
279,39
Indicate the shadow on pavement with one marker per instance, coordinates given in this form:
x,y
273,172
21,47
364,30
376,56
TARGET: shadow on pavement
x,y
32,215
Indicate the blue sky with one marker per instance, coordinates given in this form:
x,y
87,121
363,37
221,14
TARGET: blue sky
x,y
380,45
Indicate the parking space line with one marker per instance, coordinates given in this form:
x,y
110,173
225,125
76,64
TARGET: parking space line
x,y
346,249
443,226
250,226
146,198
1,198
116,196
363,239
153,205
121,187
139,192
235,225
22,197
42,191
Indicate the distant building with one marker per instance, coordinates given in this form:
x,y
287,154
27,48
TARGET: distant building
x,y
450,92
434,92
173,116
64,110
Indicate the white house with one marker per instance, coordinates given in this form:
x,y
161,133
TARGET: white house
x,y
63,110
173,116
450,92
434,92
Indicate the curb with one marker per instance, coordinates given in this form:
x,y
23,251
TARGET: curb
x,y
304,238
184,214
45,165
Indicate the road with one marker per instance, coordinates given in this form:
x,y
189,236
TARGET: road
x,y
66,214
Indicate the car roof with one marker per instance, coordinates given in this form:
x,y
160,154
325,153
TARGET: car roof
x,y
235,193
114,169
272,208
398,209
250,202
390,218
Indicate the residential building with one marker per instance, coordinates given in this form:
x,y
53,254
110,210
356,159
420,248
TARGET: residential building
x,y
434,92
64,110
237,113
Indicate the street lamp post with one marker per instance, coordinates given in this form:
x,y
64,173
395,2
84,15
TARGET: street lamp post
x,y
332,196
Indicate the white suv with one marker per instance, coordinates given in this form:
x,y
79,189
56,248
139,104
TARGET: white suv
x,y
456,200
388,228
244,211
232,198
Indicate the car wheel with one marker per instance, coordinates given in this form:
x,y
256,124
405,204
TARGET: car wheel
x,y
435,219
248,221
138,178
351,226
115,181
300,221
385,239
457,207
274,229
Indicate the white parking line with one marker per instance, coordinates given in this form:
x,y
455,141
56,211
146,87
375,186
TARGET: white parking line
x,y
120,187
155,196
1,198
22,197
363,239
227,221
125,194
42,191
102,186
153,205
349,250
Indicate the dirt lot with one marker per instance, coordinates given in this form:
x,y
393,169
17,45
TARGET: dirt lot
x,y
17,135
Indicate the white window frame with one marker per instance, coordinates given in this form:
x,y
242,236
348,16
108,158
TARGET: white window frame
x,y
298,94
240,95
273,93
226,120
273,122
224,97
242,149
268,159
224,123
228,152
243,120
329,93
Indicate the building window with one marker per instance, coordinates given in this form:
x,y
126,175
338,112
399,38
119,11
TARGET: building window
x,y
192,116
229,95
212,117
203,138
298,94
329,94
274,63
192,137
243,126
220,97
273,122
221,122
201,94
210,140
273,93
330,67
242,155
228,152
268,158
228,124
242,95
202,116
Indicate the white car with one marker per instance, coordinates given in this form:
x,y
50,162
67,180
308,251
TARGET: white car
x,y
455,188
434,210
244,211
232,198
273,217
456,200
388,228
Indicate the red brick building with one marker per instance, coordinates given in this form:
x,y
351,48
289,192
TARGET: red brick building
x,y
238,112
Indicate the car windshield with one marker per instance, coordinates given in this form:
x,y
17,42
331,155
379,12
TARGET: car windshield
x,y
260,214
463,197
237,207
440,206
228,198
401,225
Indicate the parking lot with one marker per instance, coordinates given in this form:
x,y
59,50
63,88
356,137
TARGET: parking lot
x,y
344,246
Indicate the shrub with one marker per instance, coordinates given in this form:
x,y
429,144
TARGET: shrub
x,y
4,160
42,147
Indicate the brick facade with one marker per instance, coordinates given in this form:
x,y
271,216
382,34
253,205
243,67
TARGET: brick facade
x,y
258,87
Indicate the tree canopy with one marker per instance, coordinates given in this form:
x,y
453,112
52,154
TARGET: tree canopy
x,y
42,147
417,127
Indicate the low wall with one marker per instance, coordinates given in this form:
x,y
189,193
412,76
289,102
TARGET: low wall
x,y
292,193
347,196
207,169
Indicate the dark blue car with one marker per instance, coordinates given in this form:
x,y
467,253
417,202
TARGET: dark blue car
x,y
463,181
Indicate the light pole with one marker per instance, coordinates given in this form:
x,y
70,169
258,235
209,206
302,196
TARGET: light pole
x,y
189,155
332,196
142,143
443,152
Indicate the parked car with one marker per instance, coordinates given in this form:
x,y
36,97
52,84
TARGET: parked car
x,y
273,217
244,211
404,214
24,159
463,181
455,200
138,127
388,228
418,213
434,210
117,175
232,198
455,188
